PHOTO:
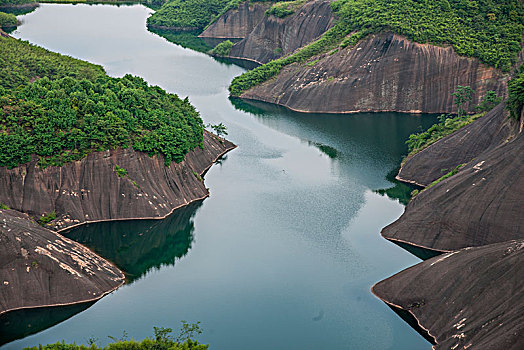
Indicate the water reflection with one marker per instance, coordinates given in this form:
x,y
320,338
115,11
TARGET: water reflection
x,y
137,246
401,191
21,323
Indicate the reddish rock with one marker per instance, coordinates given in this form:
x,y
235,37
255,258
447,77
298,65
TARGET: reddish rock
x,y
469,299
39,267
90,190
384,72
275,37
237,23
462,146
482,204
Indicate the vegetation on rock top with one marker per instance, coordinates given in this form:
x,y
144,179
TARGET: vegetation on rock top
x,y
515,101
488,30
7,20
60,109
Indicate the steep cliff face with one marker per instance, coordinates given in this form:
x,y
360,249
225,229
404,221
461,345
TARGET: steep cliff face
x,y
237,23
480,205
275,37
458,148
384,72
469,299
42,268
91,189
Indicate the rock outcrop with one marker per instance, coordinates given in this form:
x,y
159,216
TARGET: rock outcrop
x,y
384,72
39,267
90,190
469,299
275,37
462,146
480,205
237,23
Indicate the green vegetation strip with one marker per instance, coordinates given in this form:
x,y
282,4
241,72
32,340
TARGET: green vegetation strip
x,y
7,20
485,29
60,109
285,8
515,101
195,14
448,125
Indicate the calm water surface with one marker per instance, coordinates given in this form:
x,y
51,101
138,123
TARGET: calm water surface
x,y
283,253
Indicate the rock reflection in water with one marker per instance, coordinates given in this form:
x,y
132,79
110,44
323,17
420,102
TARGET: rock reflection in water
x,y
137,246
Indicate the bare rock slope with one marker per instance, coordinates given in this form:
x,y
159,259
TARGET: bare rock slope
x,y
469,299
91,190
462,146
39,267
384,72
275,37
480,205
237,23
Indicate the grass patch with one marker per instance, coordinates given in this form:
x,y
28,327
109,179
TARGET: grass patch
x,y
285,8
47,218
223,49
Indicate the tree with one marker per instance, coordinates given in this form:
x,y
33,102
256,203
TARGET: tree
x,y
463,96
220,129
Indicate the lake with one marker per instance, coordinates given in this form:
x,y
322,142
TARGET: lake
x,y
283,253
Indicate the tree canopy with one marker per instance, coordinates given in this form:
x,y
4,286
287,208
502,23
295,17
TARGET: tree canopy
x,y
60,109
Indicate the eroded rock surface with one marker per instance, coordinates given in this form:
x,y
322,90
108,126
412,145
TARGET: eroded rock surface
x,y
480,205
469,299
384,72
275,37
462,146
237,23
39,267
91,190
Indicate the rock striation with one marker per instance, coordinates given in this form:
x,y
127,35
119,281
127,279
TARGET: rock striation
x,y
275,37
91,190
480,205
384,72
462,146
469,299
237,23
39,267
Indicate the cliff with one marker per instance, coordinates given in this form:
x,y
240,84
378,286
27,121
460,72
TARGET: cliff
x,y
480,205
469,299
383,72
42,268
90,190
275,37
462,146
237,23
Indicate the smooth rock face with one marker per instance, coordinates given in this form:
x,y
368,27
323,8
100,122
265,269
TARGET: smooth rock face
x,y
42,268
237,23
90,190
482,204
462,146
384,72
275,37
469,299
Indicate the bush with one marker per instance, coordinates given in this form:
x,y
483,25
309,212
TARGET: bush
x,y
222,49
7,20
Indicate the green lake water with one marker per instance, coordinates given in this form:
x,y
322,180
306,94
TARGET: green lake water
x,y
283,253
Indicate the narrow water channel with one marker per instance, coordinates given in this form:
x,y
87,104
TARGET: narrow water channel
x,y
283,253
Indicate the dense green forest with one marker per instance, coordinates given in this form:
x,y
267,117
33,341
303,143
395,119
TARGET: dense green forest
x,y
61,109
7,20
195,14
486,29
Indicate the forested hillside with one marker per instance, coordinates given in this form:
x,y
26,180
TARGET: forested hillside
x,y
61,109
485,29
